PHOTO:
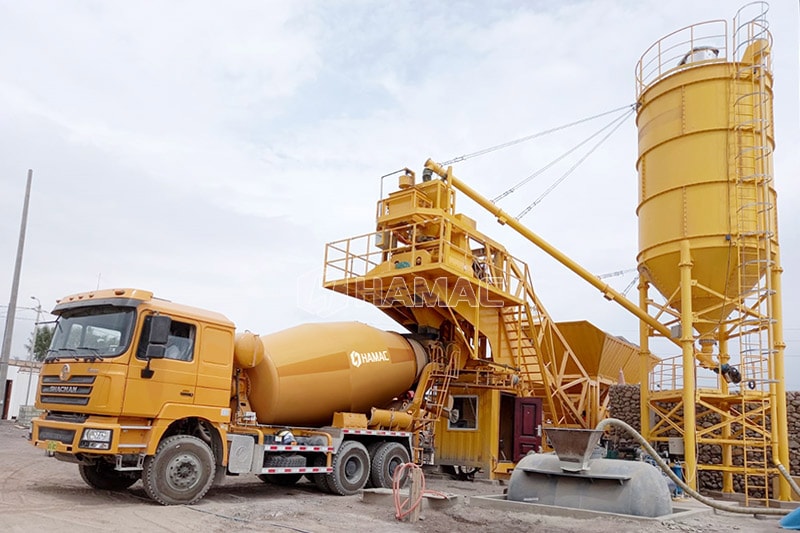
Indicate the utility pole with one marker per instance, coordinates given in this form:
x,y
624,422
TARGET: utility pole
x,y
33,348
5,352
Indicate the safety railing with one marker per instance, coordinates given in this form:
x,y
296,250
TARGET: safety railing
x,y
422,245
667,375
682,49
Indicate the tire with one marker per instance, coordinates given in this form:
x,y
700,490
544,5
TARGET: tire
x,y
284,461
320,479
387,458
350,469
284,480
371,449
102,476
461,473
181,471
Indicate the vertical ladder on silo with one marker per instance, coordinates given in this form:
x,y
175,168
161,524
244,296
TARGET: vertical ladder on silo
x,y
754,215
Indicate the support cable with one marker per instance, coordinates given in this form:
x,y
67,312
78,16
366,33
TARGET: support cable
x,y
619,121
553,162
531,137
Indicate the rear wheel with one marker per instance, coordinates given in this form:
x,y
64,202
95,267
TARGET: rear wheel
x,y
320,479
101,475
371,449
181,471
461,473
387,458
350,469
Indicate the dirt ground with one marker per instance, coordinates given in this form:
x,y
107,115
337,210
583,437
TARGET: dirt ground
x,y
38,493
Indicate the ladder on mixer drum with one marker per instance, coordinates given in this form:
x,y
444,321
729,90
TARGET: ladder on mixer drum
x,y
444,369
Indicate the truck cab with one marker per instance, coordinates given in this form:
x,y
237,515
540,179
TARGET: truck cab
x,y
127,373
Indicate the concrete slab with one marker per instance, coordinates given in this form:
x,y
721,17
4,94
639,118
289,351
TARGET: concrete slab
x,y
500,503
433,501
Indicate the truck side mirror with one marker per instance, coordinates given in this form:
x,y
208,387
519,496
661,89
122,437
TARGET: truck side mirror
x,y
159,329
157,342
155,351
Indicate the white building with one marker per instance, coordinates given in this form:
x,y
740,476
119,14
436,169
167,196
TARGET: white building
x,y
22,378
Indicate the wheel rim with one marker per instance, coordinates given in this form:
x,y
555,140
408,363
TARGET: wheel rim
x,y
183,471
393,464
353,469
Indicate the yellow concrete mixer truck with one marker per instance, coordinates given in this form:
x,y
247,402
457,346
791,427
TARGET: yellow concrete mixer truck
x,y
136,387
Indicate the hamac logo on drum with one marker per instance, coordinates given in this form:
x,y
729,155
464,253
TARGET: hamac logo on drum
x,y
357,358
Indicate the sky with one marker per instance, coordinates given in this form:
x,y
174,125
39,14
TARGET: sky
x,y
208,151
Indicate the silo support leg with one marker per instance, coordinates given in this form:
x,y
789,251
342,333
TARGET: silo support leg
x,y
687,348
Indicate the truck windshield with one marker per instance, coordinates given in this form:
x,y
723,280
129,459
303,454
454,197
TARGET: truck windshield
x,y
92,332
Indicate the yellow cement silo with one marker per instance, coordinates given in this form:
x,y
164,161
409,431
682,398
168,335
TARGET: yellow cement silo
x,y
708,243
705,145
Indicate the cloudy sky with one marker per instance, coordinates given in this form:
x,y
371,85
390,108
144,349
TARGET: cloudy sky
x,y
207,151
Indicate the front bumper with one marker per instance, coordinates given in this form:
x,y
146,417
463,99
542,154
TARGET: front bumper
x,y
66,437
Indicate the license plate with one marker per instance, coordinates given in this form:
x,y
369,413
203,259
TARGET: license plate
x,y
52,446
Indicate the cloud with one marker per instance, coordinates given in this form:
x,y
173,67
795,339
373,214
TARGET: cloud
x,y
209,152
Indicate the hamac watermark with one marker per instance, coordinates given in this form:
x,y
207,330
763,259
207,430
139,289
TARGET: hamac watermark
x,y
398,291
423,292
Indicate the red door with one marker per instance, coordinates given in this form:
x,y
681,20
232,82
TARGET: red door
x,y
527,426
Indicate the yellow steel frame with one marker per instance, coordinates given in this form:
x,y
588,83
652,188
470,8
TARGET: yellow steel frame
x,y
409,267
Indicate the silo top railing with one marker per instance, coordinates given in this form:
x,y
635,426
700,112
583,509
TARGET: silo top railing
x,y
682,49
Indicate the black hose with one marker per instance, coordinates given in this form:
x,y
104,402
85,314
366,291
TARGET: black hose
x,y
686,488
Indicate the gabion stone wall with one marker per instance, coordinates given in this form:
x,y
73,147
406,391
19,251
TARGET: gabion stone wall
x,y
793,414
624,404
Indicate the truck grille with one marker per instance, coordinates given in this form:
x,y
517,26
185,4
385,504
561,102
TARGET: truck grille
x,y
74,418
74,391
62,435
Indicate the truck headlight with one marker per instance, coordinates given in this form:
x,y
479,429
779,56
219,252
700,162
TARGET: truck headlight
x,y
98,439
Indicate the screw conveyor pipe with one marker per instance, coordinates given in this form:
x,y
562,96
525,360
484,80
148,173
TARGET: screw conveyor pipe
x,y
505,218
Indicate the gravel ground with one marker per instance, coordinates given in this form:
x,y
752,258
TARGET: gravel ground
x,y
38,493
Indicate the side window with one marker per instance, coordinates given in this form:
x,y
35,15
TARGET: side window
x,y
180,344
467,408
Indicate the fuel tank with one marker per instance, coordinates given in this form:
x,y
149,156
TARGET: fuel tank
x,y
309,372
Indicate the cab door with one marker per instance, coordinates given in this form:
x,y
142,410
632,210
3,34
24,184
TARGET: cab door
x,y
174,378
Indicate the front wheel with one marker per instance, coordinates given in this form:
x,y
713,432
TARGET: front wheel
x,y
102,476
181,471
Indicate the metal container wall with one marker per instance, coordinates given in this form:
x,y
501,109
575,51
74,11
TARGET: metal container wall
x,y
612,486
313,370
693,154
